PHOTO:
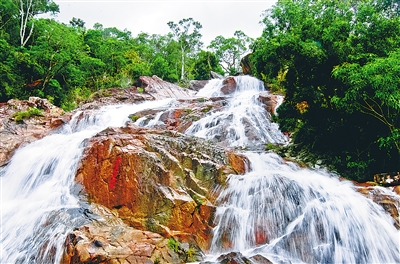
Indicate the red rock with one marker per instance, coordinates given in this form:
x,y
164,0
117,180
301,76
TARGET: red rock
x,y
228,85
161,176
270,101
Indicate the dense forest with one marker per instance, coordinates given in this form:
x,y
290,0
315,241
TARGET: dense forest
x,y
336,62
339,65
66,63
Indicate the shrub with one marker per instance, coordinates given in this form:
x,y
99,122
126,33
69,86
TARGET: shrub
x,y
19,116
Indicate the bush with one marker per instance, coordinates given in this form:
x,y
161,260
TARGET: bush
x,y
19,116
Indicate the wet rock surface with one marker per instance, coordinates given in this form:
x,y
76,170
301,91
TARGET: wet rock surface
x,y
109,240
158,180
390,201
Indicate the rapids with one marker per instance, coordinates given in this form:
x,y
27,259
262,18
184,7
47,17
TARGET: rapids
x,y
39,202
285,213
277,210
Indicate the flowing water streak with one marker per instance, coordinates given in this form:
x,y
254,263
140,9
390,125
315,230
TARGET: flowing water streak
x,y
244,123
286,213
37,206
280,210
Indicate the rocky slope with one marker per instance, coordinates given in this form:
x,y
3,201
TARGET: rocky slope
x,y
19,132
151,190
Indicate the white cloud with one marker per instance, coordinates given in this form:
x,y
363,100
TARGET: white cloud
x,y
217,17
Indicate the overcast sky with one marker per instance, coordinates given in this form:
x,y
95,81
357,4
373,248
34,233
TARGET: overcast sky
x,y
217,17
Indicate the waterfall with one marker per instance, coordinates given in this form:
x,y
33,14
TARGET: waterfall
x,y
282,212
244,123
277,210
39,199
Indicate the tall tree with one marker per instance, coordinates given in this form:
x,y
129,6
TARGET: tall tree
x,y
27,10
230,50
187,34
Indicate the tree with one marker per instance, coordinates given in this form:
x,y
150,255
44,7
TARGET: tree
x,y
336,61
205,63
230,50
77,22
27,10
187,34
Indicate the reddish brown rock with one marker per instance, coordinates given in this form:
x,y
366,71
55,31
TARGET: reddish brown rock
x,y
117,244
228,85
16,134
396,189
389,201
270,101
158,176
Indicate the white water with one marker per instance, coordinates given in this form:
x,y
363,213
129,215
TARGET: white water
x,y
244,123
38,204
285,213
276,209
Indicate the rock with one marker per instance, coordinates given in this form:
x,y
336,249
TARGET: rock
x,y
260,260
160,89
390,202
245,64
114,96
197,85
270,101
16,134
216,75
233,258
159,181
117,244
396,189
146,88
229,86
179,119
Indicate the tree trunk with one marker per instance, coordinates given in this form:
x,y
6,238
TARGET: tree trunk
x,y
183,63
24,21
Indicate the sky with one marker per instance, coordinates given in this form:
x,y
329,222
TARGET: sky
x,y
218,17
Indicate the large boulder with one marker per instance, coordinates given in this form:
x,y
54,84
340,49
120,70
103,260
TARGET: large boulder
x,y
16,132
109,240
270,101
145,88
197,85
160,89
245,64
158,180
228,85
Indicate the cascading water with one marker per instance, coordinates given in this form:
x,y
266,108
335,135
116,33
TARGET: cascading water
x,y
285,213
277,210
38,203
244,123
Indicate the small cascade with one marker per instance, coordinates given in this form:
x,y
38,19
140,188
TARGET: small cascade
x,y
244,122
286,213
39,197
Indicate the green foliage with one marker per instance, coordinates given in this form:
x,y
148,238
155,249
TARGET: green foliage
x,y
21,115
187,35
207,109
191,255
205,63
173,245
230,50
337,62
134,118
